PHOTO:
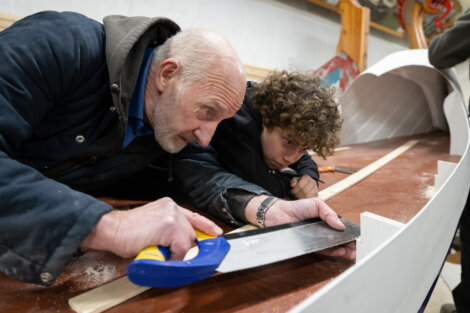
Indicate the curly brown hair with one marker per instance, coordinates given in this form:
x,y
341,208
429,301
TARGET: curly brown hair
x,y
295,101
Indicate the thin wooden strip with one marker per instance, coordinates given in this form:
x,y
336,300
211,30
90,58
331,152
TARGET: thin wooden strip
x,y
363,173
106,296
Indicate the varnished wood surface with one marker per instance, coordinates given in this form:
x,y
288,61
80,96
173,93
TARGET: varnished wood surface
x,y
354,36
397,191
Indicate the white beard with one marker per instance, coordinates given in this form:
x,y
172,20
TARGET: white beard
x,y
163,117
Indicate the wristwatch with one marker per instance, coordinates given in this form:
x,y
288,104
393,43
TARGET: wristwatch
x,y
263,208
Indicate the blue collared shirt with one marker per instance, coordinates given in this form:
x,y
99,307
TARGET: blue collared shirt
x,y
135,124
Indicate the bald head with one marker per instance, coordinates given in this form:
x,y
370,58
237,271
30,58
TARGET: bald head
x,y
201,52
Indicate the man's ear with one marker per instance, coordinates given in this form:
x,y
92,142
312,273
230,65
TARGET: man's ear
x,y
168,70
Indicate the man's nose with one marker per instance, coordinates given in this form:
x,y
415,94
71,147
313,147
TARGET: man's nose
x,y
204,133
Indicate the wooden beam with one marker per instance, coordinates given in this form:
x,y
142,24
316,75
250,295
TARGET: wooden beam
x,y
354,36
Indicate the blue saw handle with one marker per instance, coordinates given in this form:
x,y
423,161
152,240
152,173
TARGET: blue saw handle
x,y
151,269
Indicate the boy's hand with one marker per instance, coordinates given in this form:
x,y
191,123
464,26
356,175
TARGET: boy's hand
x,y
292,211
304,187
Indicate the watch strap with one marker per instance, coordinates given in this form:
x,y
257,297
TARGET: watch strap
x,y
263,208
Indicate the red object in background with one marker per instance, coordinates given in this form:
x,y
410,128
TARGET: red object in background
x,y
339,71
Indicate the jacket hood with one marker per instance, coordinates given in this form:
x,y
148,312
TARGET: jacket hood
x,y
128,37
126,40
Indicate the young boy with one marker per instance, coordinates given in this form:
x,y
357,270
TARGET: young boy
x,y
262,149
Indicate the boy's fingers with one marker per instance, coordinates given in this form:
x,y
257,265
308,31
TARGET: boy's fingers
x,y
328,215
333,221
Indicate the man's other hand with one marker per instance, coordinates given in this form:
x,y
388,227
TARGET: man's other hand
x,y
162,222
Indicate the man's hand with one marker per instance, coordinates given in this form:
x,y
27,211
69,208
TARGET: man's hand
x,y
304,187
161,222
292,211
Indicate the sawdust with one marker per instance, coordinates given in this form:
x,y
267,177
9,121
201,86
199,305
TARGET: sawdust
x,y
430,191
102,273
88,271
427,190
426,178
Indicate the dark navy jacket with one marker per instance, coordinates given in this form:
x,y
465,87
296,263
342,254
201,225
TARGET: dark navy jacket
x,y
65,85
453,46
234,161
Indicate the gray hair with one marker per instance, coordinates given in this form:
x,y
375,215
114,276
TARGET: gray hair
x,y
198,51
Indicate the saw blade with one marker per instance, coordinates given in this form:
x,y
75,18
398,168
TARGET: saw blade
x,y
263,246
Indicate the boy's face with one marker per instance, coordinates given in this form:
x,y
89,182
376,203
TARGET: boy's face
x,y
281,147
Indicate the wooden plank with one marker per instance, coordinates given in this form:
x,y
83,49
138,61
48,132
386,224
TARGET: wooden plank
x,y
106,296
363,173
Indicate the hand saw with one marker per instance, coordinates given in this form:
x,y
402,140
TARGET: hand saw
x,y
237,251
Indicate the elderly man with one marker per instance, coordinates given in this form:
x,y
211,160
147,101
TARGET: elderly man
x,y
85,105
81,105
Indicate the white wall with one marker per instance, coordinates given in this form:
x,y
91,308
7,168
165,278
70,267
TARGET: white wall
x,y
287,34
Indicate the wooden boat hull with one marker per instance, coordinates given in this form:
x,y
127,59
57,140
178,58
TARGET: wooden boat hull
x,y
397,275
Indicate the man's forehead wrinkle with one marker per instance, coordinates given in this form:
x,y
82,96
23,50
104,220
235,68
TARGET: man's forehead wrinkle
x,y
217,85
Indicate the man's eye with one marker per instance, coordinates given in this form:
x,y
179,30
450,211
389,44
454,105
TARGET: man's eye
x,y
206,114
